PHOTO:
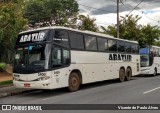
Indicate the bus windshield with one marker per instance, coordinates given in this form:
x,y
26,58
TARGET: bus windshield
x,y
144,60
147,56
32,57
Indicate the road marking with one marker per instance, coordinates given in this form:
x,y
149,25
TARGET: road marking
x,y
151,90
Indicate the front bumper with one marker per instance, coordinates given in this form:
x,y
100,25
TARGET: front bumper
x,y
32,85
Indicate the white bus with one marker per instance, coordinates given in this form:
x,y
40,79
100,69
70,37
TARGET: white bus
x,y
150,60
55,57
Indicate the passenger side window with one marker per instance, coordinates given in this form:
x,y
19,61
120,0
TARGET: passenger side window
x,y
61,38
76,41
90,42
102,44
156,52
120,46
66,57
128,47
134,48
112,45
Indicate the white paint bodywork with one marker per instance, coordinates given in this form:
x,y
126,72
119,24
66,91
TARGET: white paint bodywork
x,y
94,66
150,69
156,64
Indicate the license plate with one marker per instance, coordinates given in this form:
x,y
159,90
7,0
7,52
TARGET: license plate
x,y
26,85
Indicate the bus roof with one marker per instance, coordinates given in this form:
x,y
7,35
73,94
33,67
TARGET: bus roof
x,y
152,46
156,46
80,31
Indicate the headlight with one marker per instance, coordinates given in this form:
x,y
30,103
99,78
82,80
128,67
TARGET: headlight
x,y
16,79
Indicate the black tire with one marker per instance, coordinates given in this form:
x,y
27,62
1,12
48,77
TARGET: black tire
x,y
121,75
128,74
74,82
155,72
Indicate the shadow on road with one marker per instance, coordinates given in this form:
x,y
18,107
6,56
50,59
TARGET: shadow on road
x,y
147,76
62,91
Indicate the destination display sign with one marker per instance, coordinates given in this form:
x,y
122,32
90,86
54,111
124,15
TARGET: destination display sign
x,y
32,37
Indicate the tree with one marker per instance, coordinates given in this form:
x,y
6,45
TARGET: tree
x,y
11,23
50,12
86,23
129,29
149,34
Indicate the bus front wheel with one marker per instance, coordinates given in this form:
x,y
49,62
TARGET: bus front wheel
x,y
74,82
121,75
128,74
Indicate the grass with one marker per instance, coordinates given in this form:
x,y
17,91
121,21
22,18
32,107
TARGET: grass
x,y
6,82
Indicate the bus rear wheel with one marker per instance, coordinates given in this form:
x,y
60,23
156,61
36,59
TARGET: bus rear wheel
x,y
128,74
74,82
121,75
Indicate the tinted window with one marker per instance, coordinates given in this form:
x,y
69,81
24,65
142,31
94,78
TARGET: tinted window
x,y
76,41
156,53
112,45
134,48
60,57
102,44
61,38
56,57
66,57
128,47
120,46
90,43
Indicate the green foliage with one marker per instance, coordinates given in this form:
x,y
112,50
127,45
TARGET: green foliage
x,y
111,30
157,43
50,12
86,23
129,29
11,23
2,66
149,34
8,82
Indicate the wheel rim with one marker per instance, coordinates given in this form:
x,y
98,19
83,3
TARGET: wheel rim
x,y
74,81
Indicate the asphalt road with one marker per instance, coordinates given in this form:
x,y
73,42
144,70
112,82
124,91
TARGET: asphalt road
x,y
140,90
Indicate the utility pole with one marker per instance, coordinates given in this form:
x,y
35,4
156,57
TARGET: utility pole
x,y
117,18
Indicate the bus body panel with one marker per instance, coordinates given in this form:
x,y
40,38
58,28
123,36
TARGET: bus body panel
x,y
100,63
149,69
93,67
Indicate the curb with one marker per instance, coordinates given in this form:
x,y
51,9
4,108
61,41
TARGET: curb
x,y
13,93
8,85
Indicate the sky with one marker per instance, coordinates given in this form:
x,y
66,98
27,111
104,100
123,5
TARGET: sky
x,y
104,11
